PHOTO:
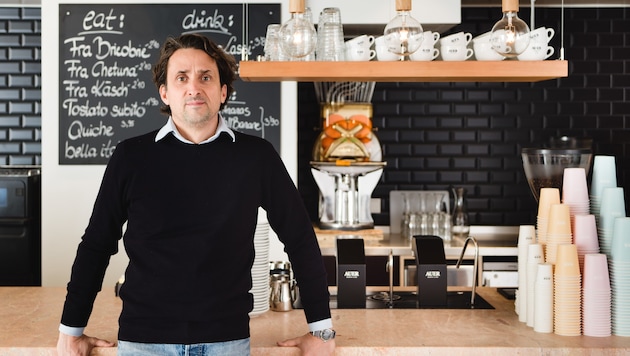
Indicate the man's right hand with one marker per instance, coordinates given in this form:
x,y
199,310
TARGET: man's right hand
x,y
79,345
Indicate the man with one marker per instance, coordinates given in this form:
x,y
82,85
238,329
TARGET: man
x,y
190,194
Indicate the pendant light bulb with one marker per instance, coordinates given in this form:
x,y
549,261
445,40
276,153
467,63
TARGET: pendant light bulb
x,y
403,34
510,35
297,36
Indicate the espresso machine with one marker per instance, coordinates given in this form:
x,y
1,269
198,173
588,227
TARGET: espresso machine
x,y
347,158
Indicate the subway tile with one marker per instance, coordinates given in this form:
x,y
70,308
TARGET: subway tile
x,y
464,136
437,162
463,162
595,108
426,122
411,163
412,136
21,160
16,54
10,13
465,109
10,67
31,148
31,94
22,81
425,150
451,122
437,109
477,177
9,94
451,177
17,26
437,136
424,177
477,149
20,135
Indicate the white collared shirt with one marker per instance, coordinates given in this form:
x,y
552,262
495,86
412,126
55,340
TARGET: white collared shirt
x,y
170,127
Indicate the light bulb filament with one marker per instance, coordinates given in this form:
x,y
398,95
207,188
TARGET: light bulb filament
x,y
510,32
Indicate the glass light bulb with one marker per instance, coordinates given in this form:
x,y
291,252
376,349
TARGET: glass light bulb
x,y
510,35
297,36
403,34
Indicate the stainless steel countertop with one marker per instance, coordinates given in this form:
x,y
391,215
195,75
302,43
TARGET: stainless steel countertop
x,y
492,240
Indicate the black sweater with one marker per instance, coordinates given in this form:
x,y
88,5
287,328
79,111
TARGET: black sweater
x,y
191,213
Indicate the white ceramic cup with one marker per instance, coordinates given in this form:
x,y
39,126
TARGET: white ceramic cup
x,y
484,37
429,38
457,39
536,52
363,41
357,53
541,35
485,52
425,54
382,51
456,53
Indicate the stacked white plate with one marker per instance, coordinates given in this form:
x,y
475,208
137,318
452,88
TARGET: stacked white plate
x,y
260,270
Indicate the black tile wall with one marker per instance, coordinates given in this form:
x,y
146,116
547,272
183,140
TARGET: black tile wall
x,y
438,135
20,86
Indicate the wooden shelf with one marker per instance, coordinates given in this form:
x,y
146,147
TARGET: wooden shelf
x,y
408,71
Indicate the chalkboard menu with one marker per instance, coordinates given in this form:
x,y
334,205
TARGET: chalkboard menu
x,y
105,83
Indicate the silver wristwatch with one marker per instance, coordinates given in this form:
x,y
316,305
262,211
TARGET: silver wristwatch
x,y
325,335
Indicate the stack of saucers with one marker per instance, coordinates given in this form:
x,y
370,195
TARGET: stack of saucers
x,y
260,270
604,176
575,191
585,236
596,296
567,298
619,265
613,206
548,197
558,231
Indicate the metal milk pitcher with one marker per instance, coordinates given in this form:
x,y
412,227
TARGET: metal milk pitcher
x,y
282,294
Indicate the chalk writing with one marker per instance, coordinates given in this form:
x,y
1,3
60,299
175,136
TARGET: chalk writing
x,y
107,52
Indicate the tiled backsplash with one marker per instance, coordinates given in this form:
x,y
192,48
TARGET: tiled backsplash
x,y
438,135
20,86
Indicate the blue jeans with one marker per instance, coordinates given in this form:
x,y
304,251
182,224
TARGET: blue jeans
x,y
228,348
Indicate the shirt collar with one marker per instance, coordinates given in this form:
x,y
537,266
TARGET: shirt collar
x,y
170,127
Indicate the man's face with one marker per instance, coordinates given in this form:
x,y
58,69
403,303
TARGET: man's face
x,y
193,89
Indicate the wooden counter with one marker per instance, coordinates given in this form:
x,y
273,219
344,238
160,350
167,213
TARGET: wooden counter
x,y
29,317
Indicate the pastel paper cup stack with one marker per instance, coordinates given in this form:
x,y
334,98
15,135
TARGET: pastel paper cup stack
x,y
619,269
559,231
548,197
596,296
567,297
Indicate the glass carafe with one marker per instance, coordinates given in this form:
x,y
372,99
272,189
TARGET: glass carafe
x,y
461,222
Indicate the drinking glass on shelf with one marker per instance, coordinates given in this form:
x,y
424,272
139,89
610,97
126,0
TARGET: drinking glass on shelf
x,y
461,223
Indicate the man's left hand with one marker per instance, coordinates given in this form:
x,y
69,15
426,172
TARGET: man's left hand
x,y
311,345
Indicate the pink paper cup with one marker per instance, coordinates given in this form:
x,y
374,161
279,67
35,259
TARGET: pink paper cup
x,y
574,187
585,233
596,278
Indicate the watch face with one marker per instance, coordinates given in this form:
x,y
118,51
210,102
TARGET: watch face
x,y
328,334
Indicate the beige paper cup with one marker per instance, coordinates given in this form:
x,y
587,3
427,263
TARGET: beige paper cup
x,y
567,263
